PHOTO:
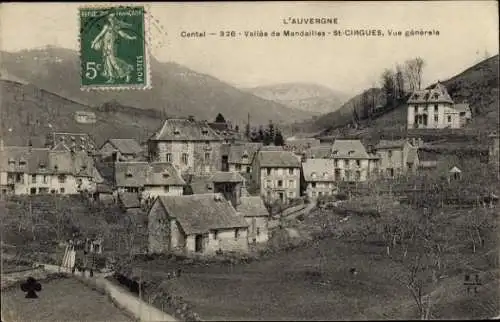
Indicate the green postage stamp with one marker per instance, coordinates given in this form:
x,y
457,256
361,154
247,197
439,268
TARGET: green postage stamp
x,y
113,48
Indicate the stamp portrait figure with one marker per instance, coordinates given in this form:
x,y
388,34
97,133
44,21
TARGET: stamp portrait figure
x,y
105,41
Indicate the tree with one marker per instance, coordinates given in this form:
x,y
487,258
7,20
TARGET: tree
x,y
248,133
399,81
220,119
271,131
261,135
388,85
413,72
278,139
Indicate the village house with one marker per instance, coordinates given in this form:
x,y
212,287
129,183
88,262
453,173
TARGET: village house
x,y
201,223
322,151
318,178
26,170
397,157
434,108
254,211
240,156
191,146
125,149
229,184
70,141
148,180
351,161
277,173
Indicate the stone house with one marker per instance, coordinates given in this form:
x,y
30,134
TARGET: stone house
x,y
434,108
202,223
26,170
277,174
254,211
240,156
397,157
126,149
191,146
318,177
229,184
148,180
351,161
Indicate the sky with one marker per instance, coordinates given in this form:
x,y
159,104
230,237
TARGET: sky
x,y
467,30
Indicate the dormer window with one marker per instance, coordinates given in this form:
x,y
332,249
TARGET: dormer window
x,y
42,165
350,152
313,175
325,174
166,175
334,152
435,96
22,163
12,161
204,131
128,174
56,167
61,138
176,131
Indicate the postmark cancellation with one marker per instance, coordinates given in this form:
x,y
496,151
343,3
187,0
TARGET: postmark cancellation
x,y
114,51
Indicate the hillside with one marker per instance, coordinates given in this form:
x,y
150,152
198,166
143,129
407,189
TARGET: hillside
x,y
176,89
478,85
309,97
28,111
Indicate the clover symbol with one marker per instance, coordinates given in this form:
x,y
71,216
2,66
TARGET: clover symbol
x,y
31,286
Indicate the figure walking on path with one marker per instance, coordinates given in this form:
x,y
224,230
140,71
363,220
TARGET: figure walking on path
x,y
105,41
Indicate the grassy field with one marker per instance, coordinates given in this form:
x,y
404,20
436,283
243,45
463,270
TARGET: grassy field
x,y
60,300
314,282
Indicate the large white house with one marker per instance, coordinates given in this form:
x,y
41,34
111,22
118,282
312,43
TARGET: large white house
x,y
434,108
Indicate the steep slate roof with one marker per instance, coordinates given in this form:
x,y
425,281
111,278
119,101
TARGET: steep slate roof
x,y
138,174
221,176
349,149
78,141
318,170
436,94
129,200
462,107
201,185
390,144
202,213
45,161
278,159
252,206
185,130
237,151
125,146
319,152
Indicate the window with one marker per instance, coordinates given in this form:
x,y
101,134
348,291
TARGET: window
x,y
216,234
291,184
22,163
62,190
33,178
268,171
336,163
258,231
280,183
248,169
62,179
358,175
45,179
236,233
313,184
129,174
184,158
425,108
334,152
165,175
350,152
348,175
416,109
12,162
168,157
436,118
346,163
268,183
33,191
390,172
436,108
313,194
337,174
204,132
389,154
449,119
290,171
358,163
166,188
207,156
238,167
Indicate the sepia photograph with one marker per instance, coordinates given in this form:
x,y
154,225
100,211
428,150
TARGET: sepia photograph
x,y
249,161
